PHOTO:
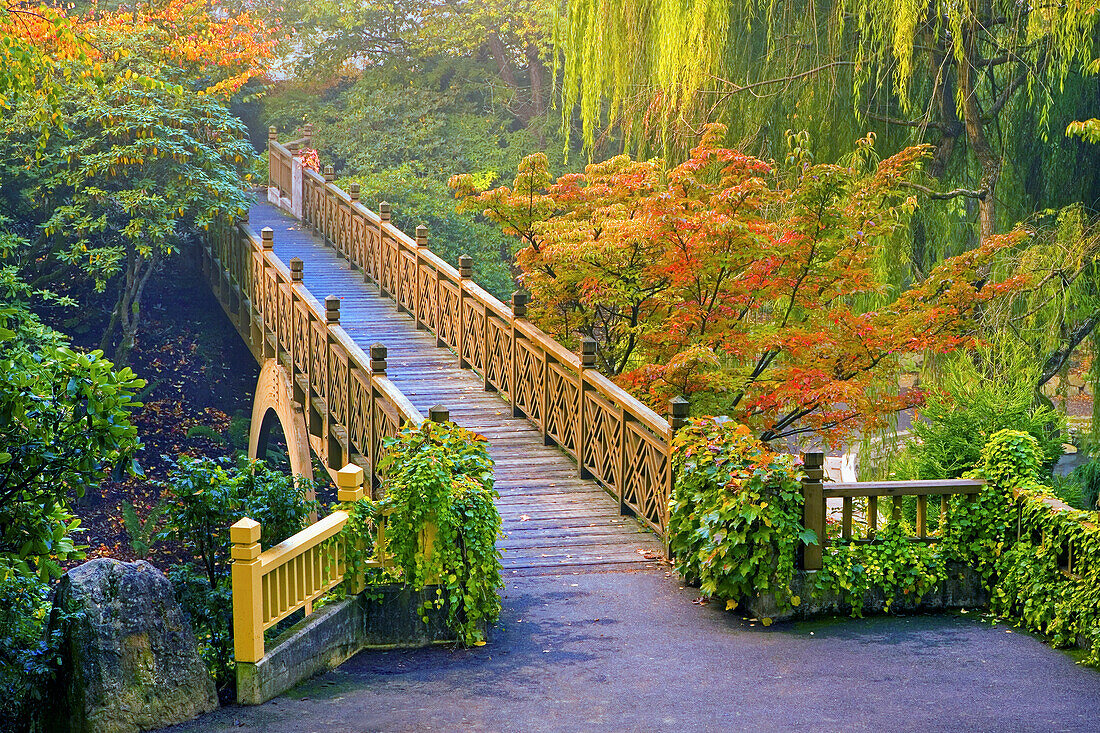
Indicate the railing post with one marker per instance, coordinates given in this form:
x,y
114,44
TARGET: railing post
x,y
272,180
681,408
588,361
307,134
519,310
349,484
377,369
332,310
349,489
269,320
679,413
439,413
465,271
418,301
334,451
296,273
813,507
353,245
328,225
385,213
248,623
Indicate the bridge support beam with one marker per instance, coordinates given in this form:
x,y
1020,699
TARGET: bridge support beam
x,y
274,405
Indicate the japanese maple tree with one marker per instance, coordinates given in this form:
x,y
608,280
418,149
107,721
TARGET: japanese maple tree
x,y
754,291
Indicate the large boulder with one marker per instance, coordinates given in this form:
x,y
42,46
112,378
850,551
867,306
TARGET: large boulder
x,y
130,661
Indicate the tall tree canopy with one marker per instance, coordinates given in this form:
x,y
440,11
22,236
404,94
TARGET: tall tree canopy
x,y
943,72
755,290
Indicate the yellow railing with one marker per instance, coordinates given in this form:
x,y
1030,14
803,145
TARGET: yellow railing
x,y
269,585
613,437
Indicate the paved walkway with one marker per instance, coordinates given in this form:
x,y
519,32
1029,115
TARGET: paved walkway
x,y
629,651
553,520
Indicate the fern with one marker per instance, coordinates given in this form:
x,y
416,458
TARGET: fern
x,y
142,534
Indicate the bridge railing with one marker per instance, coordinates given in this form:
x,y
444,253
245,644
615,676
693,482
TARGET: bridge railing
x,y
613,437
349,403
280,160
816,494
269,585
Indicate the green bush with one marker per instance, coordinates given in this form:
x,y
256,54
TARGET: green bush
x,y
1026,549
29,654
64,425
437,474
736,513
970,404
205,498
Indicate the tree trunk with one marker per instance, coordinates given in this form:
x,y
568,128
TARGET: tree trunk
x,y
988,159
535,70
128,310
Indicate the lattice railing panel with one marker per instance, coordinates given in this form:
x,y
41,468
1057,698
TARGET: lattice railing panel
x,y
473,339
498,360
446,325
602,449
645,476
529,376
562,407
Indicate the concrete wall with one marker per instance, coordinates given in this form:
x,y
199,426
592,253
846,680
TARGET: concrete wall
x,y
962,589
335,633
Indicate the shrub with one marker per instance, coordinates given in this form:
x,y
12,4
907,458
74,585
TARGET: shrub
x,y
437,474
1033,582
206,498
64,424
736,513
970,404
29,654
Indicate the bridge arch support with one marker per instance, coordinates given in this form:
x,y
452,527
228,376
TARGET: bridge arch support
x,y
273,405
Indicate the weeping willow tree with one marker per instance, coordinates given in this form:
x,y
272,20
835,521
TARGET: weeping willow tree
x,y
954,74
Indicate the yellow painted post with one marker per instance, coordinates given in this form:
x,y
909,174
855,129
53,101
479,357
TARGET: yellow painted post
x,y
430,531
248,628
349,483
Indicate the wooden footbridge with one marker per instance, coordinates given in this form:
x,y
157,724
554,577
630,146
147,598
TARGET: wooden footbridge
x,y
360,328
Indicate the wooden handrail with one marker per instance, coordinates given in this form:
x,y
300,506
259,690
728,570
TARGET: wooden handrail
x,y
614,438
271,584
815,493
934,487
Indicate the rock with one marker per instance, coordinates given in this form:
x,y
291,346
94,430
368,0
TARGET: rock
x,y
130,662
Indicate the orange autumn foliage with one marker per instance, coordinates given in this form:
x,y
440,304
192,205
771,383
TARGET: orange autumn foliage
x,y
194,43
756,292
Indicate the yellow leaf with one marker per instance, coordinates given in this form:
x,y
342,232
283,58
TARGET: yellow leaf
x,y
796,601
479,643
766,621
730,605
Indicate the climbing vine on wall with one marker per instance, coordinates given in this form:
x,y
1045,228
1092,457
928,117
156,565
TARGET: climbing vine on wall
x,y
735,530
441,525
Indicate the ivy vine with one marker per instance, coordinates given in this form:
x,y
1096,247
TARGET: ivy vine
x,y
441,526
735,530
